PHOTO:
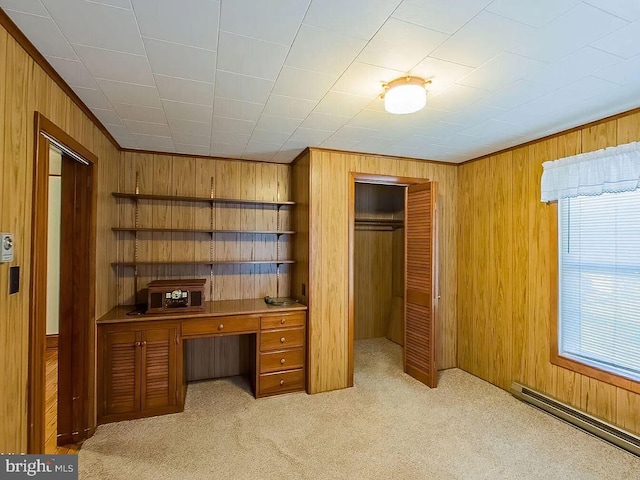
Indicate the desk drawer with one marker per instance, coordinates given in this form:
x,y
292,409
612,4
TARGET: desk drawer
x,y
281,382
203,327
281,339
287,360
283,320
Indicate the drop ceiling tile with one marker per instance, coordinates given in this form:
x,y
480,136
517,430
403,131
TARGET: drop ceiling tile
x,y
107,117
355,18
375,144
501,71
400,45
536,14
140,113
286,156
182,90
181,61
298,83
122,67
474,114
414,141
152,142
240,139
402,152
44,34
188,126
187,111
274,123
93,98
115,3
191,139
271,21
627,9
225,107
232,125
438,14
366,80
249,56
33,7
146,128
323,51
482,38
622,42
624,73
226,151
242,87
126,141
493,128
576,65
203,150
353,134
119,131
288,106
520,92
572,30
311,136
322,121
261,151
442,129
96,25
456,97
441,73
132,94
342,104
338,144
73,72
195,25
264,136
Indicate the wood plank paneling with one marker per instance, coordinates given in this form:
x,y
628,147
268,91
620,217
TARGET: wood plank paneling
x,y
515,231
24,89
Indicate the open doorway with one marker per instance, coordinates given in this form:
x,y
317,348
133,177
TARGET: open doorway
x,y
62,290
393,277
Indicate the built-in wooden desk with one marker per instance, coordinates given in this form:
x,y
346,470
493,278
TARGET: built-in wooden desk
x,y
141,364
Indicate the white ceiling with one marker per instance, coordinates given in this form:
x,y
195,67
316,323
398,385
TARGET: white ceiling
x,y
262,79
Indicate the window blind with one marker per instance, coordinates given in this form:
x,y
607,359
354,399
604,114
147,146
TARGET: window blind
x,y
599,281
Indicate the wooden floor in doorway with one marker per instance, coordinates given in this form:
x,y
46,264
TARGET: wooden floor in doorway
x,y
51,407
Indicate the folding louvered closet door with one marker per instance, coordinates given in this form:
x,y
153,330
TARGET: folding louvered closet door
x,y
419,335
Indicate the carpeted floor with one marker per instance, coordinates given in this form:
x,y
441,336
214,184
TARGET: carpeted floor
x,y
388,426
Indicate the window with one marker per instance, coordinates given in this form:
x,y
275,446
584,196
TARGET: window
x,y
599,281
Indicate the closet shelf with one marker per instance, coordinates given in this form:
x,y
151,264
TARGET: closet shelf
x,y
204,262
198,230
177,198
379,223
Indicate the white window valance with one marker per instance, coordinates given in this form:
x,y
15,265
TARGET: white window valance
x,y
610,170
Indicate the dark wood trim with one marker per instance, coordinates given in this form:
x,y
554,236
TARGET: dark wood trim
x,y
389,180
52,341
81,332
189,155
556,359
380,155
554,135
37,57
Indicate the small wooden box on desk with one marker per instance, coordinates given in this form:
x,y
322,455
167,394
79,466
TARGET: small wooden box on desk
x,y
141,360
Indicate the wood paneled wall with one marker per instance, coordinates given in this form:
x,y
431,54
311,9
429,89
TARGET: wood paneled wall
x,y
24,89
505,267
300,183
329,262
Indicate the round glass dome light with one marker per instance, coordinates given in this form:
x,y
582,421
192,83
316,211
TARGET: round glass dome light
x,y
405,95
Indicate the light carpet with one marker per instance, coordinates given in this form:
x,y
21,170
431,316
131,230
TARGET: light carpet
x,y
388,426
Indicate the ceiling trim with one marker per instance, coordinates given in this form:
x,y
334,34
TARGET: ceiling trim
x,y
189,155
37,57
381,155
554,135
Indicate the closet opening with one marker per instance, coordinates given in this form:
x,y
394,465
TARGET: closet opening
x,y
392,284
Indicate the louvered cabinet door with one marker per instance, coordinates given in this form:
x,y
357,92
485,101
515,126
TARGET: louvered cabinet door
x,y
419,338
159,367
121,375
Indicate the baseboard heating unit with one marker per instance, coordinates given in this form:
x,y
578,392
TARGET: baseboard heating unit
x,y
593,425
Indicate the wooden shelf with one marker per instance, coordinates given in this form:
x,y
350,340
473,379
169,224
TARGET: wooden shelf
x,y
197,230
380,223
175,198
204,262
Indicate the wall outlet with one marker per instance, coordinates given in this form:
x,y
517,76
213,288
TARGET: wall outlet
x,y
6,247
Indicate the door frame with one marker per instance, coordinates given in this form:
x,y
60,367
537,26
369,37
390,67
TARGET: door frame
x,y
356,177
85,381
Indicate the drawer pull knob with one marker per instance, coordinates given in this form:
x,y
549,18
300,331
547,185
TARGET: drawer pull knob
x,y
282,340
282,361
282,321
281,382
220,327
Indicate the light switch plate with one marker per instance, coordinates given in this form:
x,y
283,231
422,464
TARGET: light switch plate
x,y
6,247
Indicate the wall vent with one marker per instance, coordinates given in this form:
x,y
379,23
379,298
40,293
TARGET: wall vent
x,y
584,421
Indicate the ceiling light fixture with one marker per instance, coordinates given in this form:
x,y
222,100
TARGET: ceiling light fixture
x,y
405,95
